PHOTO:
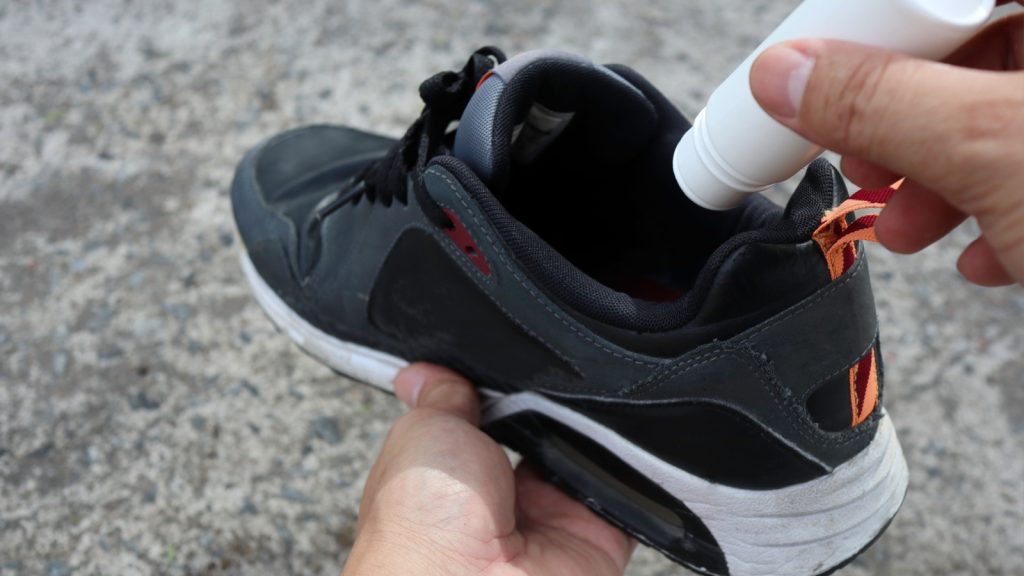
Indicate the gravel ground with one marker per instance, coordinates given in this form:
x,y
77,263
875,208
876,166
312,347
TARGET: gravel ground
x,y
151,419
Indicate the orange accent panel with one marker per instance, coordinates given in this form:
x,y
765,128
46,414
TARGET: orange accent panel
x,y
835,257
832,236
861,408
837,240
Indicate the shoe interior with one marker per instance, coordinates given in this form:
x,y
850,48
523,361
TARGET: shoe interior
x,y
623,219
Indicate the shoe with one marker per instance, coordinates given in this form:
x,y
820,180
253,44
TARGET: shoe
x,y
710,382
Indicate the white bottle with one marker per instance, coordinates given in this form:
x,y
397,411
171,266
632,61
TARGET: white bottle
x,y
736,149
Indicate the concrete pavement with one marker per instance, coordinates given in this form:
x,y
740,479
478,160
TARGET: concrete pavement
x,y
152,420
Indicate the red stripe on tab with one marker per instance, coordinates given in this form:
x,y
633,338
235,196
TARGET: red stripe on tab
x,y
876,196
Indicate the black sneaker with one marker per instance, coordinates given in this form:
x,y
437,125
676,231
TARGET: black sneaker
x,y
707,381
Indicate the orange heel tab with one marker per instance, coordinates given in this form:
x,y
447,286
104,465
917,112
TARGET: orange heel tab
x,y
838,238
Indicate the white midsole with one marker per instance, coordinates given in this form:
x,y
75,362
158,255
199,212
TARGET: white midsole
x,y
802,530
364,364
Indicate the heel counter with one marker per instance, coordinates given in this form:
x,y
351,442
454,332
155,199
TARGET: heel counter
x,y
848,399
824,359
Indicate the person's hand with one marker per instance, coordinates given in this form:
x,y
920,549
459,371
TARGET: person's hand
x,y
955,130
443,498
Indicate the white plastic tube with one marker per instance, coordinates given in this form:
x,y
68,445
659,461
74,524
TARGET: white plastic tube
x,y
736,149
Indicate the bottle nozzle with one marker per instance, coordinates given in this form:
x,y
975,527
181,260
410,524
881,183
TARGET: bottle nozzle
x,y
702,175
735,149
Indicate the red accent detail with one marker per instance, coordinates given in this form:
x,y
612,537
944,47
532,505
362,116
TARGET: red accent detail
x,y
835,237
875,196
849,257
862,223
849,253
460,235
484,78
864,368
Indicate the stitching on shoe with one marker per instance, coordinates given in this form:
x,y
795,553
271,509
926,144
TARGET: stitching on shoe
x,y
476,275
459,257
658,379
814,387
786,402
447,242
803,306
763,369
672,369
522,281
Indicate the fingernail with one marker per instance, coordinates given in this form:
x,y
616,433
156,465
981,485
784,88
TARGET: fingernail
x,y
408,384
779,79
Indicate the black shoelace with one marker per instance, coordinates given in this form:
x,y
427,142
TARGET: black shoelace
x,y
445,96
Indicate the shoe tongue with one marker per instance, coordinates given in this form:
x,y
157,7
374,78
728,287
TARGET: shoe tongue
x,y
524,105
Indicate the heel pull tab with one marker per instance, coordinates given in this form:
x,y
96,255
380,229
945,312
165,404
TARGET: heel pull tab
x,y
837,237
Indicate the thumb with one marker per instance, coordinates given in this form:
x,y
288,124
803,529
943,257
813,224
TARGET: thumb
x,y
920,119
428,386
